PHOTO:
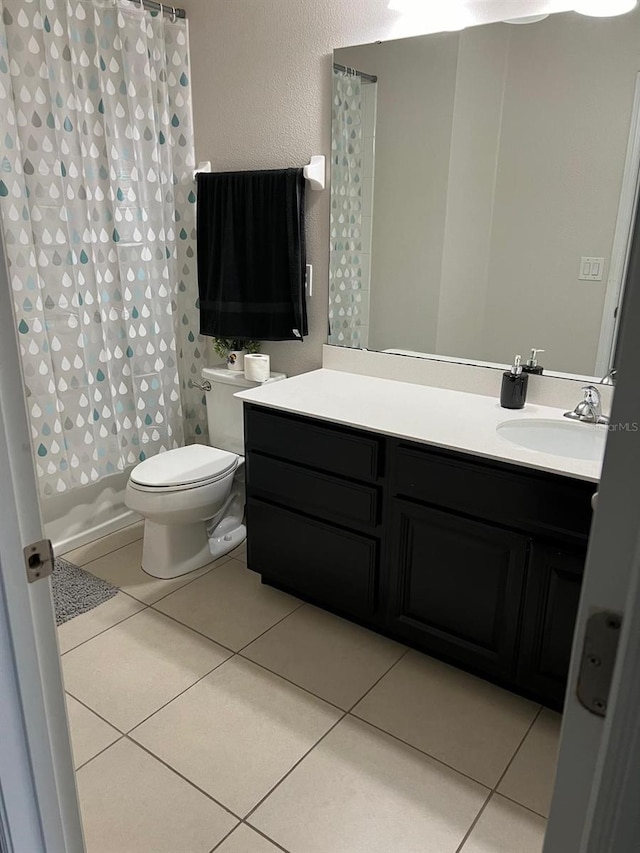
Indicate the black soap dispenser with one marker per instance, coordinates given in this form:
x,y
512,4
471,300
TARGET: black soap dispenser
x,y
514,386
532,365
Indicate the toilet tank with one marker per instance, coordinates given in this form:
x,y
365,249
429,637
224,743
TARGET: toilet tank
x,y
224,411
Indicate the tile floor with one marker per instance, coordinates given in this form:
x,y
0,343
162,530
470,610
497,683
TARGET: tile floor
x,y
215,713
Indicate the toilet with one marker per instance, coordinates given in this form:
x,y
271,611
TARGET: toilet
x,y
192,498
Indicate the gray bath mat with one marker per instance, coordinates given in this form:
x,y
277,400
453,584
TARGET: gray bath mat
x,y
76,591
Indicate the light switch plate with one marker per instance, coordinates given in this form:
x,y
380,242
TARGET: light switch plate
x,y
591,269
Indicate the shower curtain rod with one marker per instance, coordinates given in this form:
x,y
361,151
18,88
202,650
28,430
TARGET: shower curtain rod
x,y
152,6
370,78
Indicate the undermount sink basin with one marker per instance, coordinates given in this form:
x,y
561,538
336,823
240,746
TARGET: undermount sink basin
x,y
573,439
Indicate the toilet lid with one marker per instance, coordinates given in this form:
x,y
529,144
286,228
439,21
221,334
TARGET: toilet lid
x,y
184,466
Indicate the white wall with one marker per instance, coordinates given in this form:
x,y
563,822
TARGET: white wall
x,y
262,88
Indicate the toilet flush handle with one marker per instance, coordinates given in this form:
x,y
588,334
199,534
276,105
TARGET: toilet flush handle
x,y
205,385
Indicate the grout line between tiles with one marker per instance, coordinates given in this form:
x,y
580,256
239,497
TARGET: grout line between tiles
x,y
517,749
66,555
173,698
130,733
215,564
489,799
421,751
227,660
218,642
184,778
342,717
306,689
194,630
89,760
128,594
221,561
106,554
104,630
494,790
89,708
439,760
271,840
222,840
293,683
522,806
474,823
253,829
266,631
300,760
146,606
177,696
232,653
291,769
378,680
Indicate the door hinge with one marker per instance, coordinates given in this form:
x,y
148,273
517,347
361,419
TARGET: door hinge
x,y
38,560
598,660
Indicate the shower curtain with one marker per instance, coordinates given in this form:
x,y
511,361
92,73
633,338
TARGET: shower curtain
x,y
345,267
97,202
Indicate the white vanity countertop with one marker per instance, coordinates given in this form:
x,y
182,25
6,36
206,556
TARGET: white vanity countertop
x,y
454,420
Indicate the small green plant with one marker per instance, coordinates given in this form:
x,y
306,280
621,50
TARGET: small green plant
x,y
223,346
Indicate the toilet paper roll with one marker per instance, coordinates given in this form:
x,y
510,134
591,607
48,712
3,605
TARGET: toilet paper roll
x,y
257,367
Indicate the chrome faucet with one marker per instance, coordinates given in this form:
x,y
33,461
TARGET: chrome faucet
x,y
589,410
610,377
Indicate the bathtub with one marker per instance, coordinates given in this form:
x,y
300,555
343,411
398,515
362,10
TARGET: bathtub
x,y
80,516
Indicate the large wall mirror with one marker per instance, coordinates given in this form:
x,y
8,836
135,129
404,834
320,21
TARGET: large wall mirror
x,y
483,190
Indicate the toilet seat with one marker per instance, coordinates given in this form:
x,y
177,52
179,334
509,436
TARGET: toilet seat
x,y
183,468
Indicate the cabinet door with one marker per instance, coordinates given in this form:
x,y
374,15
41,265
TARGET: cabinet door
x,y
551,606
321,562
455,587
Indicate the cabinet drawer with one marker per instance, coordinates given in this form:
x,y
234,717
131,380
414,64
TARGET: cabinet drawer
x,y
326,564
526,500
333,449
311,492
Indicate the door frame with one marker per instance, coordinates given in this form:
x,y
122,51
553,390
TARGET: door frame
x,y
38,801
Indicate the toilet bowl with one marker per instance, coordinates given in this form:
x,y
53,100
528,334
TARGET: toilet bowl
x,y
192,498
177,492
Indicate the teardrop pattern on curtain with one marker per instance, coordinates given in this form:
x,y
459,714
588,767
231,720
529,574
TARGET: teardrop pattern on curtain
x,y
98,211
347,170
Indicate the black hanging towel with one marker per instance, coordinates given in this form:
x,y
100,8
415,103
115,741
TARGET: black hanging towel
x,y
251,254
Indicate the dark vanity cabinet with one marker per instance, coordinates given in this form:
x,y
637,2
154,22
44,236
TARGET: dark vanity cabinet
x,y
314,508
455,586
476,562
552,595
485,564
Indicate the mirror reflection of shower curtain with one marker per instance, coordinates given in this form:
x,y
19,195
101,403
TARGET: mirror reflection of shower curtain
x,y
98,211
351,208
